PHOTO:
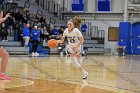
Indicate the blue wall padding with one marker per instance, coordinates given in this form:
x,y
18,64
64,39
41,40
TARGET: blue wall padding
x,y
124,32
39,49
136,38
104,5
77,7
45,52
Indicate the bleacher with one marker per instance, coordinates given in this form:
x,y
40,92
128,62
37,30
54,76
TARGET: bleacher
x,y
14,47
93,44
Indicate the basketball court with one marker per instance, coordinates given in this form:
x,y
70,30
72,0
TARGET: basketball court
x,y
55,74
52,72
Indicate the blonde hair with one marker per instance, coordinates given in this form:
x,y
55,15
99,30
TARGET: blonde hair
x,y
77,21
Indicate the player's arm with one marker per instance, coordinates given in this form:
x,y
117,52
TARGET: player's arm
x,y
62,39
81,41
1,17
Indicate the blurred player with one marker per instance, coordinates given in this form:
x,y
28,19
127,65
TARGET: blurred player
x,y
75,40
3,53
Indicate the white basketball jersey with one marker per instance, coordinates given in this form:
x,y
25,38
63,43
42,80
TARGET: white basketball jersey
x,y
73,36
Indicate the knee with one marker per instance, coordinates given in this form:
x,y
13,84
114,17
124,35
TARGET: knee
x,y
6,54
75,62
73,59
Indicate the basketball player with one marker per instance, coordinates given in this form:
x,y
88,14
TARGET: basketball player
x,y
75,40
3,53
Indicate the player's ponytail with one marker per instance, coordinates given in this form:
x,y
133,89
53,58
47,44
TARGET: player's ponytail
x,y
77,21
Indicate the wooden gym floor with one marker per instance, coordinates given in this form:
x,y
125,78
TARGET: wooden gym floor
x,y
55,74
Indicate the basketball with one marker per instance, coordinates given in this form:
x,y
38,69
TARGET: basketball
x,y
52,43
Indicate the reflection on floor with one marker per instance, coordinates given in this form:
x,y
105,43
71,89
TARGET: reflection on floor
x,y
54,74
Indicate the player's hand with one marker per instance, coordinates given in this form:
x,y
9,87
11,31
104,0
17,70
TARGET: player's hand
x,y
59,41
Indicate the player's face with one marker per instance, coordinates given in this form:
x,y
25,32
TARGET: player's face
x,y
70,25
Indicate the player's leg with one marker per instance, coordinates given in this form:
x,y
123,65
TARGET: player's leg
x,y
79,60
4,62
75,58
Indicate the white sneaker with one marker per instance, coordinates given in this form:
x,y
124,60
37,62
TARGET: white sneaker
x,y
33,54
36,54
3,40
85,75
123,54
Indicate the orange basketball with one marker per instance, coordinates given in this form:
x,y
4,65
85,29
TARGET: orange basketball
x,y
52,43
